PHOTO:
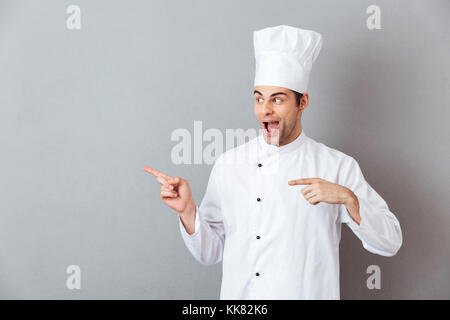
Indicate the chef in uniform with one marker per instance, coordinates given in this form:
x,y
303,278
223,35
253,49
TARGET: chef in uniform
x,y
274,206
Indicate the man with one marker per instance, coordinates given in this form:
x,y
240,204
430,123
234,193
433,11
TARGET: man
x,y
274,206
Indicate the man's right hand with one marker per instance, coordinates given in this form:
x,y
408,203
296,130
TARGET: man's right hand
x,y
175,193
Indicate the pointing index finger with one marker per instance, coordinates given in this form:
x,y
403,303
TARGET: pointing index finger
x,y
301,181
156,173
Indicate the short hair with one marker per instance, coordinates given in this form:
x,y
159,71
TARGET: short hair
x,y
298,96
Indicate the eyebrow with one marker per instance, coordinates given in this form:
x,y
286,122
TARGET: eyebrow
x,y
273,94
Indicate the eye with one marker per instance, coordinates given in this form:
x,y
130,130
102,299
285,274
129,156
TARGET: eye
x,y
277,100
259,100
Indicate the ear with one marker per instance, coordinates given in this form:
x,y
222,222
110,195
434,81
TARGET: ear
x,y
304,101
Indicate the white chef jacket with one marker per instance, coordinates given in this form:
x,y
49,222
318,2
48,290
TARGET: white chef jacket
x,y
275,244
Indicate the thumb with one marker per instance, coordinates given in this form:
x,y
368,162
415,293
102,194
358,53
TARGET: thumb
x,y
175,180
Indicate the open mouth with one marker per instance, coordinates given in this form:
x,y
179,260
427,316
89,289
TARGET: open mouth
x,y
271,127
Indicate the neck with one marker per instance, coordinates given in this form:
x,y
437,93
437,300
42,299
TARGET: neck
x,y
294,135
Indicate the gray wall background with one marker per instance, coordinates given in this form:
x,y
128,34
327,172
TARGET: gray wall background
x,y
81,112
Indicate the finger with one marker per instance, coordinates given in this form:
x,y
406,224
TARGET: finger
x,y
152,171
167,187
302,181
162,180
156,173
168,194
307,190
314,200
174,181
170,182
310,195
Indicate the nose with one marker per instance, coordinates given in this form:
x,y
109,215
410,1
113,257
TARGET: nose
x,y
267,107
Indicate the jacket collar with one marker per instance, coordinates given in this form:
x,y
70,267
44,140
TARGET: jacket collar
x,y
285,148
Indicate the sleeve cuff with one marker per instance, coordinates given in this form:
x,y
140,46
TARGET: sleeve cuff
x,y
196,225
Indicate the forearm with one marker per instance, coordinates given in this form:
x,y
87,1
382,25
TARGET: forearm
x,y
187,217
352,204
204,239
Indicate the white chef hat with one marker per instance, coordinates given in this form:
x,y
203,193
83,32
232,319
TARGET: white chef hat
x,y
284,56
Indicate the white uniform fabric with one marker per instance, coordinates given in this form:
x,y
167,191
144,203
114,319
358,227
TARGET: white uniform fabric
x,y
284,56
297,253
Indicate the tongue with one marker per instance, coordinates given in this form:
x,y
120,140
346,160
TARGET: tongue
x,y
272,126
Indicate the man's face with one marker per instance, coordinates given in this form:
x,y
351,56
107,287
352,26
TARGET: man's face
x,y
277,113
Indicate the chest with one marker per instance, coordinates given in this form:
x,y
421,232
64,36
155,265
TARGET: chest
x,y
256,196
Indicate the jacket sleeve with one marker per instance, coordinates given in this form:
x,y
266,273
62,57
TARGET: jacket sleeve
x,y
379,230
207,242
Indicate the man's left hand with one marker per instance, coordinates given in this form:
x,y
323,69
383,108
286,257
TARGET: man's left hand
x,y
320,190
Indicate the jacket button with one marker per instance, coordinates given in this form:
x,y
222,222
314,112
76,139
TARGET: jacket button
x,y
258,199
257,274
258,237
259,165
